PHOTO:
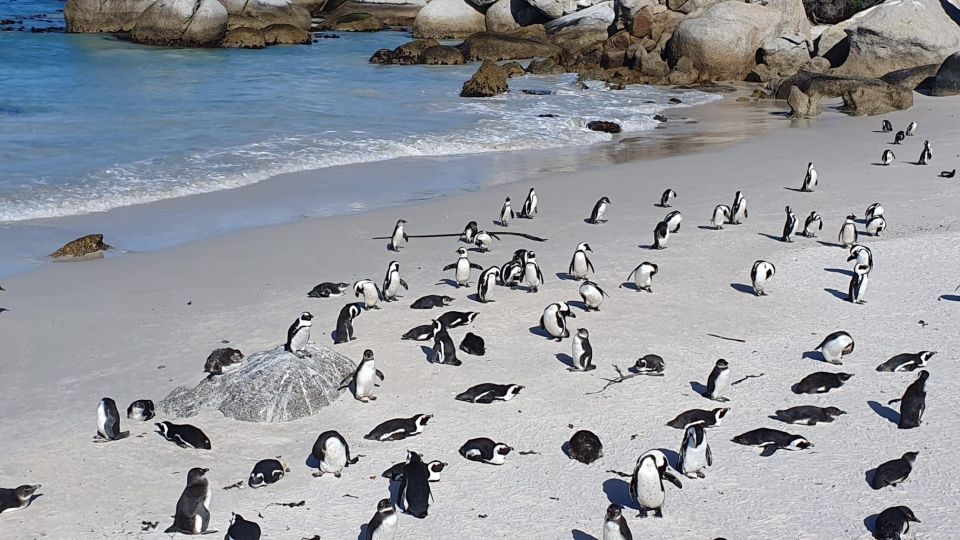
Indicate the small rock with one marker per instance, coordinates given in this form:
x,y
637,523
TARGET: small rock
x,y
489,80
660,118
674,100
604,126
91,244
513,69
546,115
536,92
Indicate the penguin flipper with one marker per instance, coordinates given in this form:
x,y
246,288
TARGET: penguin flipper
x,y
570,269
404,284
405,237
769,450
589,264
709,456
380,374
494,235
449,267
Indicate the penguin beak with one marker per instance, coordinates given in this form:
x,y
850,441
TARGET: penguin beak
x,y
572,314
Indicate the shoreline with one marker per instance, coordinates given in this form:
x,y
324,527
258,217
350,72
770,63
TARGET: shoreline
x,y
290,197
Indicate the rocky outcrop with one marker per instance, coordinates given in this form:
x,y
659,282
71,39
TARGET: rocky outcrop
x,y
441,55
103,15
443,19
264,13
544,67
182,23
597,16
802,105
947,80
861,95
391,12
270,386
912,78
513,69
406,54
244,38
900,34
84,246
354,22
285,34
604,126
785,54
493,46
690,6
507,15
874,100
489,80
723,40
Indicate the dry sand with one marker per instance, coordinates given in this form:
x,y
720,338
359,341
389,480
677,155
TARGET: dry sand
x,y
138,325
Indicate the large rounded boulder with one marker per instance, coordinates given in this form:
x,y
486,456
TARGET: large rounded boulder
x,y
264,13
182,23
103,15
947,80
448,19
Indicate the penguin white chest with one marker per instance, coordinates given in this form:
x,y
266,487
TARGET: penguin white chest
x,y
334,458
102,421
387,529
530,275
591,296
365,380
463,271
611,531
300,338
601,209
722,384
579,264
650,490
552,324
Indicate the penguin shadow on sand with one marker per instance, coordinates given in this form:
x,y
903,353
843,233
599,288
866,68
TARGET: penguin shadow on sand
x,y
580,535
829,244
539,331
771,236
428,352
741,287
312,462
474,297
618,492
841,271
839,294
798,190
870,522
947,297
451,282
579,304
564,276
885,412
814,355
363,532
700,389
566,360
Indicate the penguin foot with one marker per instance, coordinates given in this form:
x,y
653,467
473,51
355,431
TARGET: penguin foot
x,y
318,474
658,513
337,475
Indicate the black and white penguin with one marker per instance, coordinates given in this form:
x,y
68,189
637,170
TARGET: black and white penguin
x,y
344,332
738,211
673,220
529,207
585,447
473,344
383,524
911,128
820,382
592,295
444,351
599,209
399,428
893,472
790,226
399,236
222,360
761,272
615,525
772,440
812,222
241,529
650,364
432,301
582,351
108,422
369,291
462,267
469,232
364,378
876,225
809,415
266,472
511,273
489,392
487,284
899,137
392,282
721,215
707,419
17,498
434,468
580,264
887,157
894,523
695,453
327,289
455,319
142,410
298,335
835,346
532,276
643,276
646,483
414,494
665,198
661,233
914,402
554,320
872,211
193,507
332,454
907,362
861,254
184,435
886,126
506,213
926,154
810,179
483,240
485,450
858,284
948,174
424,332
719,381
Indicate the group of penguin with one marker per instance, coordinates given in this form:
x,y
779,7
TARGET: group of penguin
x,y
331,452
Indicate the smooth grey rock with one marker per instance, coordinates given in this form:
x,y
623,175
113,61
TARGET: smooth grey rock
x,y
269,386
181,23
598,15
443,19
103,15
947,80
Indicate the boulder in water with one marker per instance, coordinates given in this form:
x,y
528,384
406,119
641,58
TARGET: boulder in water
x,y
270,386
91,244
182,23
489,80
606,127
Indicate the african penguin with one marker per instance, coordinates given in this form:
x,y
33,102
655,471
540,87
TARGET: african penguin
x,y
532,276
948,174
695,453
582,351
434,468
911,128
886,126
810,179
650,364
858,284
906,362
738,211
506,213
592,295
876,225
585,447
462,267
926,154
719,381
899,137
580,264
914,402
392,282
383,524
222,360
790,226
184,435
529,207
142,410
893,523
707,419
661,233
861,254
599,209
473,344
489,392
17,498
414,493
193,507
469,232
721,215
554,320
646,482
364,378
424,332
813,221
370,292
455,319
673,220
761,272
665,198
643,276
332,454
614,525
484,240
298,335
820,382
487,283
887,157
893,472
772,440
485,450
809,415
344,332
444,351
431,301
265,472
108,422
241,529
835,346
398,428
327,289
399,236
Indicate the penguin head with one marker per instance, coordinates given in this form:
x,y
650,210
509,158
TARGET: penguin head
x,y
385,506
614,512
582,333
421,419
401,222
834,411
436,467
923,376
910,457
414,457
447,300
196,475
605,200
583,246
437,325
908,514
507,199
925,356
851,217
306,316
367,355
514,389
799,443
787,209
722,364
501,449
26,491
720,413
844,376
342,286
461,251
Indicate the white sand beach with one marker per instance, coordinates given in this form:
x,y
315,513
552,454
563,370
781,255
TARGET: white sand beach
x,y
137,325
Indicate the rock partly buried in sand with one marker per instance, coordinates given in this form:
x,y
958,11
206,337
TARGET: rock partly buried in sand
x,y
606,127
802,105
947,80
270,386
91,244
862,95
489,80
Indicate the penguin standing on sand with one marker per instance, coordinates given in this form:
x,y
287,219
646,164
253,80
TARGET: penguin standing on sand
x,y
835,346
810,180
719,381
592,295
886,126
813,222
193,507
369,291
872,211
383,525
761,272
344,332
861,254
414,491
858,284
876,226
673,220
614,525
487,284
914,402
848,232
887,157
529,207
554,320
899,137
695,453
721,215
332,454
298,335
738,212
364,378
926,154
599,209
646,483
399,237
582,351
665,198
392,282
469,232
580,264
643,276
444,351
790,226
484,240
462,267
108,422
911,128
506,213
660,235
532,276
